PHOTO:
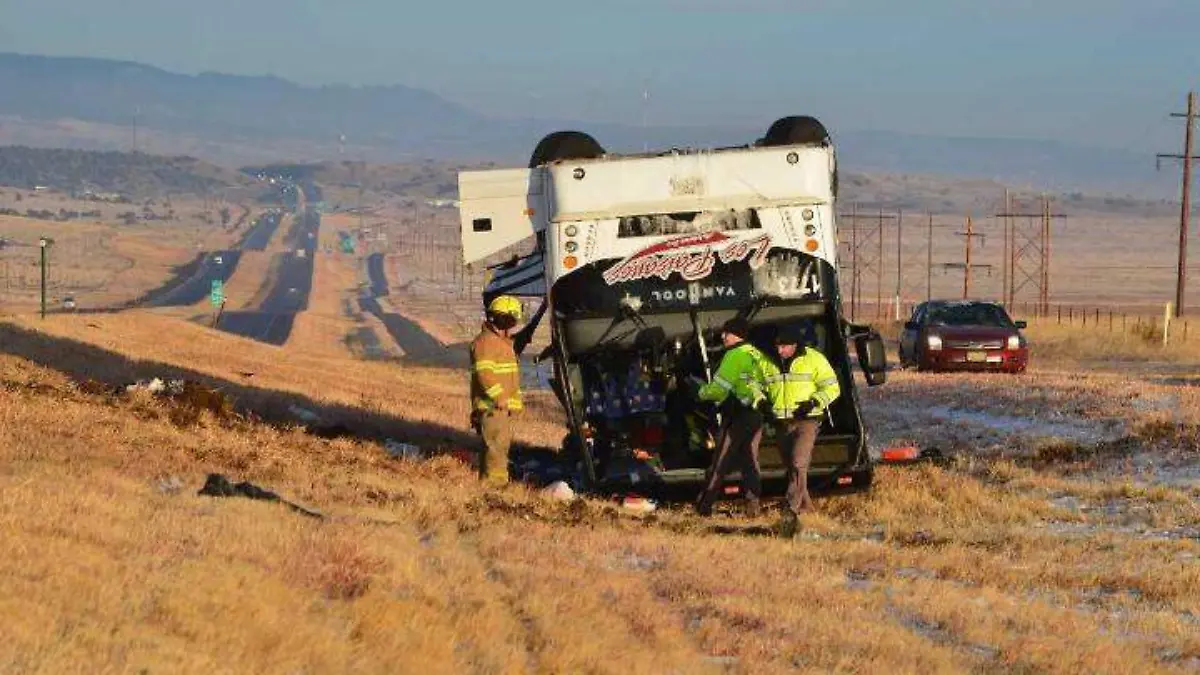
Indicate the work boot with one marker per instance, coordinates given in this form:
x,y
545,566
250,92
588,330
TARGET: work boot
x,y
753,508
704,506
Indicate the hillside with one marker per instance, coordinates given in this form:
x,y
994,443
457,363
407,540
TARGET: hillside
x,y
914,194
125,173
231,118
112,561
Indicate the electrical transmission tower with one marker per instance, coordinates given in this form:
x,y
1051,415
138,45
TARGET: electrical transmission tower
x,y
865,254
914,258
1027,237
1185,205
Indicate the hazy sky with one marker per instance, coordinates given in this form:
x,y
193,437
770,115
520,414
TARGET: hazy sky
x,y
1101,71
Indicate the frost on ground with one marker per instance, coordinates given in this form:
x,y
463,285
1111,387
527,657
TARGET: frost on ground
x,y
965,415
959,428
1000,416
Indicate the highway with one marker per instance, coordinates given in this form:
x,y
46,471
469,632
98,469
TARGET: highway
x,y
257,237
188,289
272,321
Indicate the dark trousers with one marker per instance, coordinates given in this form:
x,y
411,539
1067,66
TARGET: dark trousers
x,y
741,434
796,442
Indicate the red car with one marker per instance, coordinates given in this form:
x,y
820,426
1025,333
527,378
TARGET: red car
x,y
963,335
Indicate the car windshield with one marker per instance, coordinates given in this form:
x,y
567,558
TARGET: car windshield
x,y
979,314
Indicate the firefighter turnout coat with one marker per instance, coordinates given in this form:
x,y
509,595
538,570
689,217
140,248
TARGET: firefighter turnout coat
x,y
495,372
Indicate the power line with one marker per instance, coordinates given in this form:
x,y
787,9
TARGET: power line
x,y
1185,205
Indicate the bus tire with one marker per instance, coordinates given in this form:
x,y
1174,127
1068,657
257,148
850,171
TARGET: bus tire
x,y
565,145
794,130
800,130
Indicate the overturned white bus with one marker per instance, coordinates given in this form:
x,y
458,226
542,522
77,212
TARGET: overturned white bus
x,y
642,258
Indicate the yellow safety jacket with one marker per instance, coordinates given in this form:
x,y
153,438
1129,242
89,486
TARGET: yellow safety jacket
x,y
807,376
740,374
495,372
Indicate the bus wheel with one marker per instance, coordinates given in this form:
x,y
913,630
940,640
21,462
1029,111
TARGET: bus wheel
x,y
565,145
800,130
797,129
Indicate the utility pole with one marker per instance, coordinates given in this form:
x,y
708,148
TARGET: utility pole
x,y
44,243
969,235
899,266
929,262
1045,299
1006,300
1185,206
854,261
966,266
879,272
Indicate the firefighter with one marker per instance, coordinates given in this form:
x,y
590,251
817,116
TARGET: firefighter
x,y
496,382
738,387
800,391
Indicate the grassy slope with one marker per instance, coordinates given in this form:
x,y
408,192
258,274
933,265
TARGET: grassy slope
x,y
103,568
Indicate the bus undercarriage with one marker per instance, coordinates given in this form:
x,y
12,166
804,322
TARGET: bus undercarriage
x,y
626,380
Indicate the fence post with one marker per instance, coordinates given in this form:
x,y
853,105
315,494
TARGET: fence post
x,y
1166,322
1084,314
1060,315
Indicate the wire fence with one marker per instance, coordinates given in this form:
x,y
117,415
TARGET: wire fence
x,y
1142,320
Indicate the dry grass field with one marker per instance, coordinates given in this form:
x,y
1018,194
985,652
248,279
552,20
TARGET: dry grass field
x,y
1003,560
100,259
1060,535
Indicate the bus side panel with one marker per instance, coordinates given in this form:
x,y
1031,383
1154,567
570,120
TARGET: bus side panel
x,y
499,208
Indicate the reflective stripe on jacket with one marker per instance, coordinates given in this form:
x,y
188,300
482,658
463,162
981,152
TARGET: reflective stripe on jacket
x,y
807,376
740,374
495,372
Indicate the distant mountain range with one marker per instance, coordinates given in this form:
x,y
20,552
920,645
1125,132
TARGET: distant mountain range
x,y
227,118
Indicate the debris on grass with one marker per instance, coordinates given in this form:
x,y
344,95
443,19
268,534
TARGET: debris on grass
x,y
559,491
401,450
638,504
217,485
188,400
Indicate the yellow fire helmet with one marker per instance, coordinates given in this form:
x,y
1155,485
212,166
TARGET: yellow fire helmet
x,y
506,304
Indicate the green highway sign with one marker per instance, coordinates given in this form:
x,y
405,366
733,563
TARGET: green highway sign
x,y
217,295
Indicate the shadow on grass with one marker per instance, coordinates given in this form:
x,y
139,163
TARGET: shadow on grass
x,y
419,347
83,362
